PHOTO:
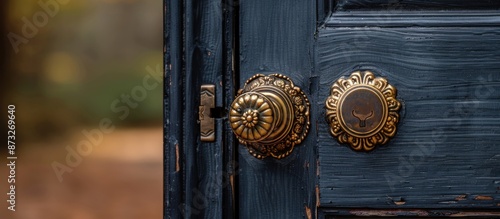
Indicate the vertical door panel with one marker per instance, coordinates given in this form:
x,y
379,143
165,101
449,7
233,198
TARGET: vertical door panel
x,y
278,36
446,153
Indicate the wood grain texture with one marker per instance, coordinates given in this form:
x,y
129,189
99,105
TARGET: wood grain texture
x,y
173,108
204,65
414,18
195,55
341,213
343,5
446,67
230,164
278,36
446,152
406,213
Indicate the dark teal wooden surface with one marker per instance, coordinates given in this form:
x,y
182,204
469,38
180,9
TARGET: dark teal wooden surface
x,y
198,40
346,5
278,36
446,153
446,66
173,107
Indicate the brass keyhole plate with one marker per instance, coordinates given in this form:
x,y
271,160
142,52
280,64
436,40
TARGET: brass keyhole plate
x,y
362,110
270,116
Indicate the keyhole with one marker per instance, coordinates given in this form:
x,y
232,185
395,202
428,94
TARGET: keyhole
x,y
362,118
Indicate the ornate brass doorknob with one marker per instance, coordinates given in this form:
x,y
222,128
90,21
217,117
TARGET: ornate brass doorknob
x,y
270,116
362,110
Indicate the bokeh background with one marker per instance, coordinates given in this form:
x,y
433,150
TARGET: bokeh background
x,y
66,77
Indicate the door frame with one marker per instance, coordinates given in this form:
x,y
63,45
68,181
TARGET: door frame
x,y
199,177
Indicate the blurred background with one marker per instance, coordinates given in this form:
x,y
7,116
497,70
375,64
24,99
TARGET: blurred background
x,y
86,80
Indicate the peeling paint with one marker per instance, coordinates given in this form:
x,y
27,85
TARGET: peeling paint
x,y
308,213
472,214
461,198
483,198
231,181
402,202
177,159
317,196
389,213
421,213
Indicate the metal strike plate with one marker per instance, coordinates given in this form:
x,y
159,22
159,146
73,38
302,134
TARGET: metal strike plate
x,y
270,116
207,123
362,111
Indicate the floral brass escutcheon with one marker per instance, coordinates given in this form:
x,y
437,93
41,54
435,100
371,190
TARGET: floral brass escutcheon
x,y
270,116
362,110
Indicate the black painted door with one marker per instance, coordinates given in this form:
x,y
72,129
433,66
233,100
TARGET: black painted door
x,y
442,56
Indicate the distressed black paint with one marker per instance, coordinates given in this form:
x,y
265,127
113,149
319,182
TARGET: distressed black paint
x,y
446,153
230,162
415,19
416,5
173,108
196,53
278,36
341,213
445,65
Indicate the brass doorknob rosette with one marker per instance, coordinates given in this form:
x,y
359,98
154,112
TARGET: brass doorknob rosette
x,y
270,115
362,110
